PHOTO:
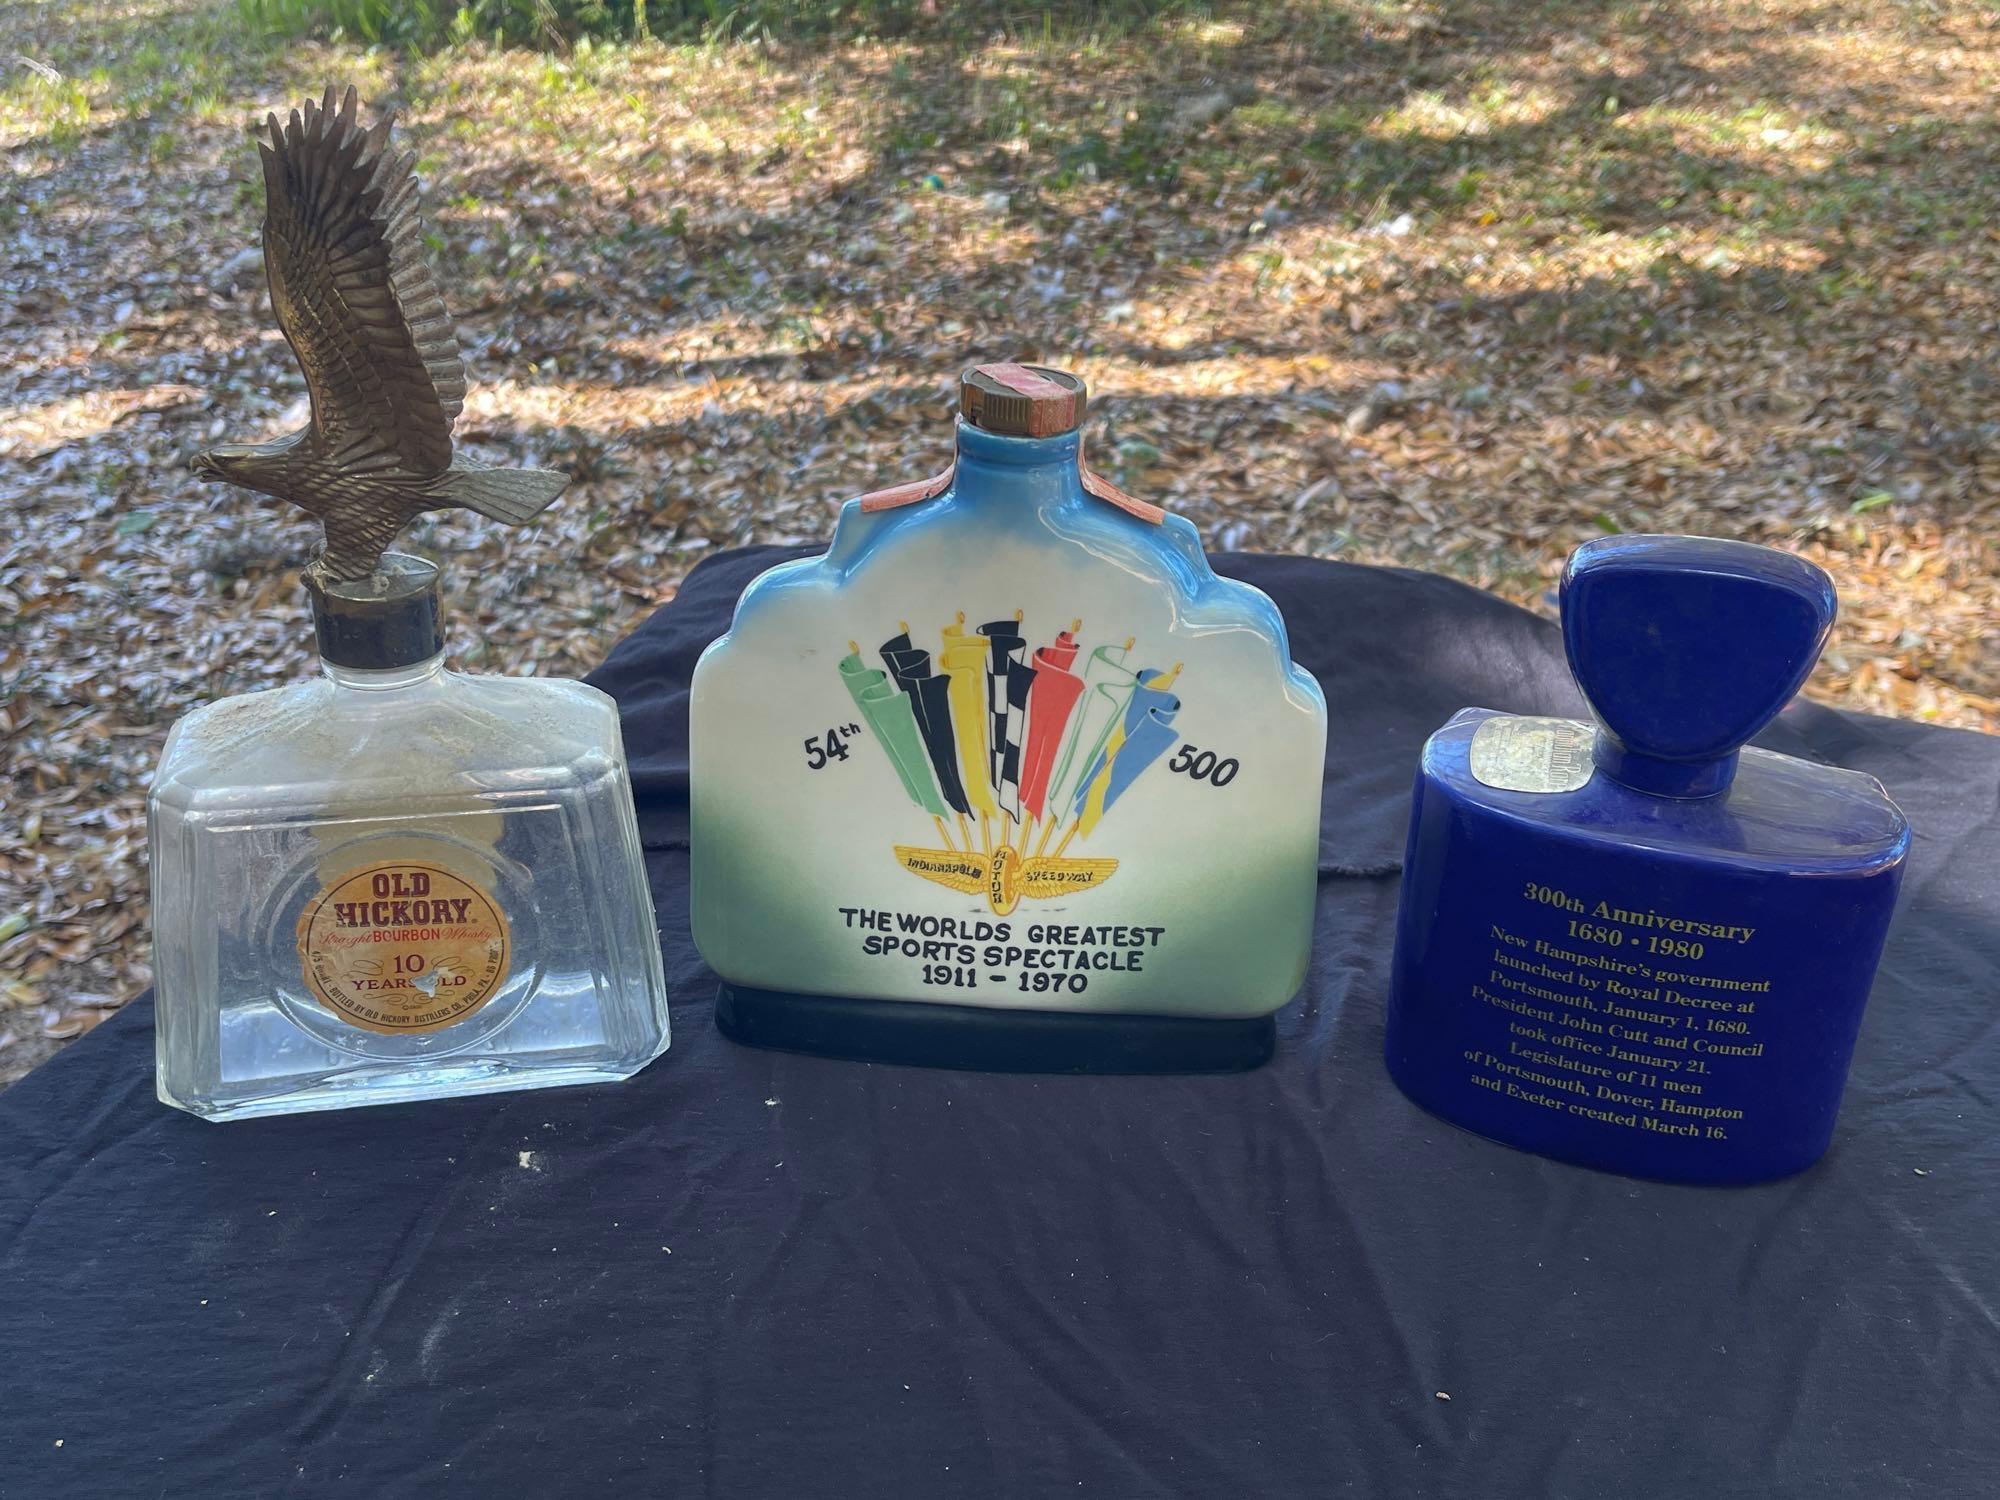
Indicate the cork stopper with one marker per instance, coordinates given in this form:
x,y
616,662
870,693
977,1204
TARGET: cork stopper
x,y
1021,400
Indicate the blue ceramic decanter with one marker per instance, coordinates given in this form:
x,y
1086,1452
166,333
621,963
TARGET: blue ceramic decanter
x,y
1637,945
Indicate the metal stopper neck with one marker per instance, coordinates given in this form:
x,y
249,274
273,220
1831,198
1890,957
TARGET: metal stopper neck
x,y
391,618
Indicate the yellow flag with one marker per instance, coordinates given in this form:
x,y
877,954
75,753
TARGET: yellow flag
x,y
964,662
1093,795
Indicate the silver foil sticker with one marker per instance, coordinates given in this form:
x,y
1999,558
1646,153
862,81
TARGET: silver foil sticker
x,y
1532,755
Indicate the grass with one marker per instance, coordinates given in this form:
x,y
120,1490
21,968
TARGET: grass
x,y
562,24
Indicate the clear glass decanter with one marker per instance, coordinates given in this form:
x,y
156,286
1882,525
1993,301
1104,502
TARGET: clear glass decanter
x,y
397,882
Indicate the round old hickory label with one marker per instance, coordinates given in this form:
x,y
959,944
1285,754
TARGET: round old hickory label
x,y
400,946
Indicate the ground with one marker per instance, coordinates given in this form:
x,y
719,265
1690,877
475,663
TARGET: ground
x,y
1457,285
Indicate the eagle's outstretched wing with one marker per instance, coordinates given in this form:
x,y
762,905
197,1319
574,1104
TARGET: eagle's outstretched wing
x,y
343,248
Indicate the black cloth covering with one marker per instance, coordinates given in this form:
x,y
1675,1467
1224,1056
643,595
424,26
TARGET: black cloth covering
x,y
747,1273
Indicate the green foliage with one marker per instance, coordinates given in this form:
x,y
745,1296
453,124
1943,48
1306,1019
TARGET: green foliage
x,y
61,106
555,25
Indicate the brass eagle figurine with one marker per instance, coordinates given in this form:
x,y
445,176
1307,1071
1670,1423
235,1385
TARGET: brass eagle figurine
x,y
343,252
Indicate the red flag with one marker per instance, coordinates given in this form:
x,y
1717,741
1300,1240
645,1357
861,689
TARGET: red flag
x,y
1050,700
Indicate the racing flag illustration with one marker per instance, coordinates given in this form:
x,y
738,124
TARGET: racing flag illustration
x,y
1051,699
1009,680
891,719
1139,738
1107,685
930,707
1022,740
964,662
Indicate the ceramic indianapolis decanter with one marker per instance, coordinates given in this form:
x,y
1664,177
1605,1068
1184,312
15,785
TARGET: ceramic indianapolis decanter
x,y
394,882
1638,945
1009,778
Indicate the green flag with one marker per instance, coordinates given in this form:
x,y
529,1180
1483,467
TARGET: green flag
x,y
891,722
1107,685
